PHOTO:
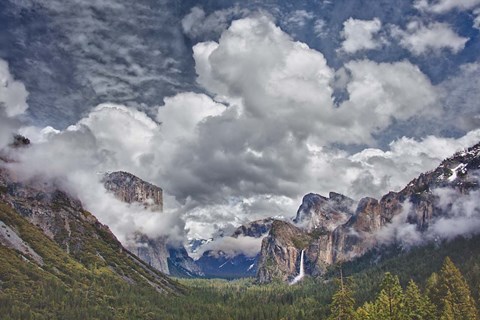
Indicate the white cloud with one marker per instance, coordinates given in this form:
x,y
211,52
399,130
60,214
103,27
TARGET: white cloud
x,y
13,104
434,37
476,20
266,139
373,172
443,6
13,94
108,122
181,114
361,35
381,92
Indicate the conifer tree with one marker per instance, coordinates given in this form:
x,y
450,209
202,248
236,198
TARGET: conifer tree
x,y
342,307
417,306
389,303
455,294
447,312
432,290
367,312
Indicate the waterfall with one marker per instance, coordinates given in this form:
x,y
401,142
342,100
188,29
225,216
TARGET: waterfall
x,y
301,273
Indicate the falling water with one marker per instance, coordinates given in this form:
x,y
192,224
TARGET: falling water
x,y
302,271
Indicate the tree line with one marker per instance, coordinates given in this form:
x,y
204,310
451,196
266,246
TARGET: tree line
x,y
446,296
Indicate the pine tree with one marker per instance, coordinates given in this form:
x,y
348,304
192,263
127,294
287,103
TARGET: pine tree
x,y
342,307
432,290
389,303
455,293
417,306
367,312
447,312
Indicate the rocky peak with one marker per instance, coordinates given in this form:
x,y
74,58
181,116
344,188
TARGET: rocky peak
x,y
367,216
130,188
255,229
19,141
336,234
319,212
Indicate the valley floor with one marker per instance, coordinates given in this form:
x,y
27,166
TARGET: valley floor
x,y
28,292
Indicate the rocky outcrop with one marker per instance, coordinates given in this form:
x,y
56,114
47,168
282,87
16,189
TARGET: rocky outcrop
x,y
130,188
338,234
156,252
280,254
318,212
255,229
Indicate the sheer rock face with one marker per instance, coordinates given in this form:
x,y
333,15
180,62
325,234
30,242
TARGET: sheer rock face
x,y
130,188
157,252
281,251
339,234
152,251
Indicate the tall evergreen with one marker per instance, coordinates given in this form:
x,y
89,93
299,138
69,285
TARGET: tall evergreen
x,y
432,289
367,312
455,293
389,303
342,306
447,312
417,306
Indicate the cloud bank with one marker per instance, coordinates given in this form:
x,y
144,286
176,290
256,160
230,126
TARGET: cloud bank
x,y
268,132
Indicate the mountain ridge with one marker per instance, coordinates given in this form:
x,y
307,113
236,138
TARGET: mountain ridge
x,y
335,239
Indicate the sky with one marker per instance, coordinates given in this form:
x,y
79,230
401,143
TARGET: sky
x,y
236,108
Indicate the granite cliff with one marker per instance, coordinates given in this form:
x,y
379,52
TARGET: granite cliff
x,y
158,252
338,229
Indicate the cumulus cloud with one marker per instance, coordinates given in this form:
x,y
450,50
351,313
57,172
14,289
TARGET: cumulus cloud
x,y
270,134
361,35
443,6
419,38
183,112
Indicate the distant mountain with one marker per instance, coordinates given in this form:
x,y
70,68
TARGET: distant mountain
x,y
330,230
157,252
